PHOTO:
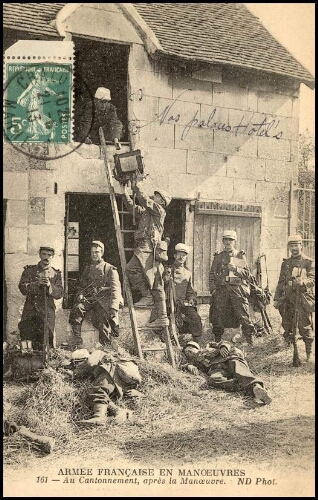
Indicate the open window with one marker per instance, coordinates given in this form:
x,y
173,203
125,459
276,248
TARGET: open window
x,y
100,64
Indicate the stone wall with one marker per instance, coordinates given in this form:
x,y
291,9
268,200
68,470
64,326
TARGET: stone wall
x,y
203,138
194,145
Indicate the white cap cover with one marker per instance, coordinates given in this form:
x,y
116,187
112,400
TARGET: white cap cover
x,y
103,93
229,234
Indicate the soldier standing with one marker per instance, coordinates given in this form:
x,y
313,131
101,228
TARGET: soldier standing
x,y
142,270
99,291
37,280
228,281
187,317
296,271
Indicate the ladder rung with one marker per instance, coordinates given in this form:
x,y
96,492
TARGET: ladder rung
x,y
150,328
148,308
154,348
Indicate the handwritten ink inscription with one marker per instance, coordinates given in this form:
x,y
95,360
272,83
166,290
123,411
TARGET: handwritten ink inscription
x,y
247,126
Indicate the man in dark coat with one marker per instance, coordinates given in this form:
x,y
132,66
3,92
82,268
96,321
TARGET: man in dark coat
x,y
187,317
229,287
296,271
37,280
226,368
99,291
100,113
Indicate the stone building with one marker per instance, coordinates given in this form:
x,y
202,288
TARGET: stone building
x,y
209,97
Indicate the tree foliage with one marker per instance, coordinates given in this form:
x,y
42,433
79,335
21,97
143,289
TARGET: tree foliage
x,y
306,164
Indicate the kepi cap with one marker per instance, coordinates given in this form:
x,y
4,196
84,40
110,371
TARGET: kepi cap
x,y
295,238
229,234
192,344
163,244
103,93
164,195
97,243
181,247
50,249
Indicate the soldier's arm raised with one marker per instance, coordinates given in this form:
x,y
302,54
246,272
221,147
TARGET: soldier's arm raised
x,y
147,203
129,203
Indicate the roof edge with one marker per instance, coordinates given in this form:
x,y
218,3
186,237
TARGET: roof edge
x,y
63,14
149,38
310,83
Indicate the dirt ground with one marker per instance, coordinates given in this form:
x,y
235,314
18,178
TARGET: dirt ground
x,y
182,424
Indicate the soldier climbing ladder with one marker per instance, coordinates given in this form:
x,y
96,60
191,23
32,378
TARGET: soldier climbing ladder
x,y
132,313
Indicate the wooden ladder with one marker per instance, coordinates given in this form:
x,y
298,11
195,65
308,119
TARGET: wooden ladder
x,y
132,313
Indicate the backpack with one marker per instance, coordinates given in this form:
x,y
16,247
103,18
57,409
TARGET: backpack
x,y
128,372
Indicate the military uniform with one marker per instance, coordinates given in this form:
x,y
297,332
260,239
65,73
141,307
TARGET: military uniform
x,y
230,373
184,292
229,302
31,325
150,216
285,295
98,275
144,270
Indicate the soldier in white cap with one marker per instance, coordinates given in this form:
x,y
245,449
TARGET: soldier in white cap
x,y
100,113
187,317
142,270
296,271
229,287
37,280
100,291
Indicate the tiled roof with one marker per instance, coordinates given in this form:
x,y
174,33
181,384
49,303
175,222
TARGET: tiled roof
x,y
31,17
219,33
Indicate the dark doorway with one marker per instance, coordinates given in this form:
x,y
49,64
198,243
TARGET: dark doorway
x,y
101,64
174,225
89,217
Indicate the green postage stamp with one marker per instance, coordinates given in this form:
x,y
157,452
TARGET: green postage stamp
x,y
39,97
38,102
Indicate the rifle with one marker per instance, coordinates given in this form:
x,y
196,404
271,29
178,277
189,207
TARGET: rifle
x,y
266,295
45,443
89,290
46,340
172,320
296,359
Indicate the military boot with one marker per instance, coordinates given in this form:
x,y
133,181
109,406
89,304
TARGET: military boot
x,y
162,319
99,417
217,335
288,337
261,394
77,340
146,299
308,348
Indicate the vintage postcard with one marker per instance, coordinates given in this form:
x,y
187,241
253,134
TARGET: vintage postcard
x,y
159,234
